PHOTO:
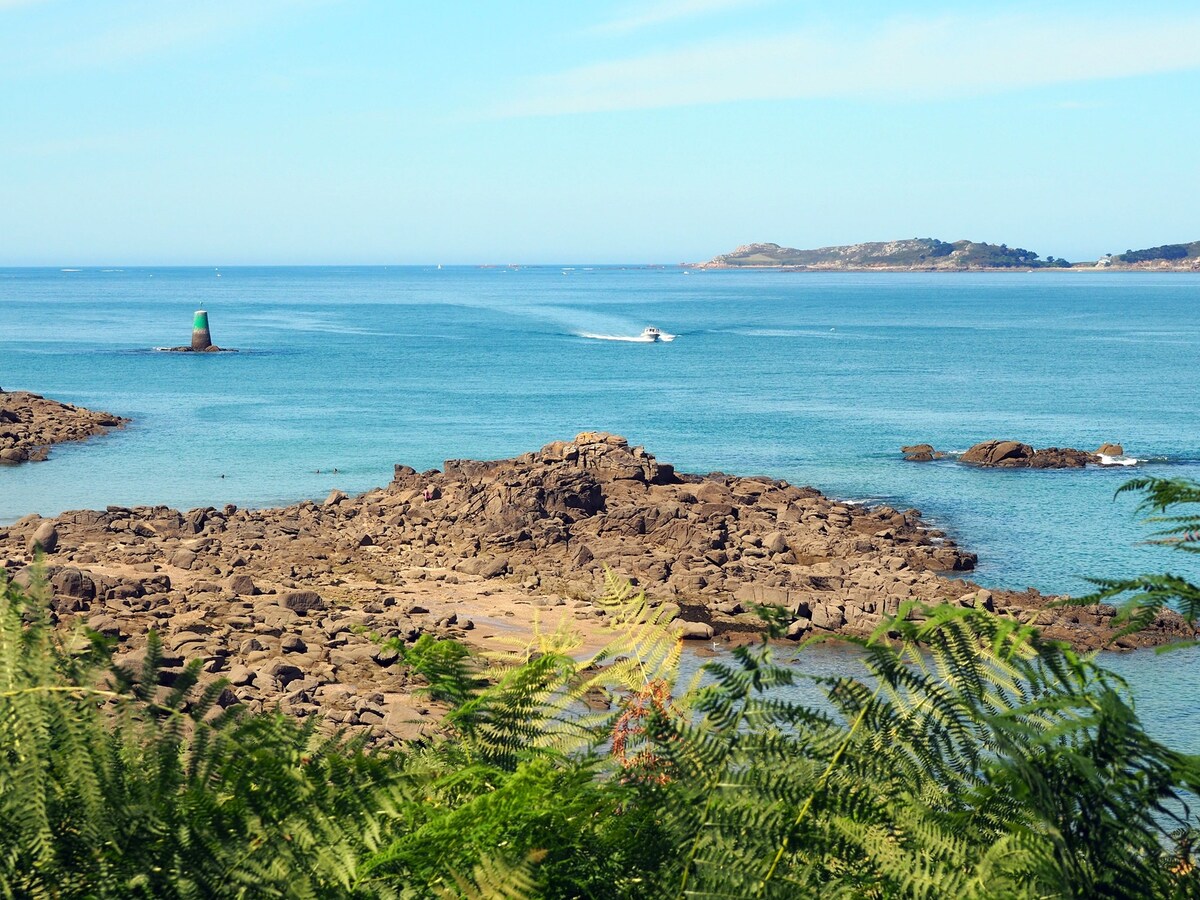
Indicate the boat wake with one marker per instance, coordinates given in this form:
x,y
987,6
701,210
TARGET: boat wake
x,y
783,332
626,338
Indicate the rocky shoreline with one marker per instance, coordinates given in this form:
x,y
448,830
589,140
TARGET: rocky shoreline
x,y
31,424
284,602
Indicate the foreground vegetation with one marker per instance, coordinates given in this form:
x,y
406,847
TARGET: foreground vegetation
x,y
970,759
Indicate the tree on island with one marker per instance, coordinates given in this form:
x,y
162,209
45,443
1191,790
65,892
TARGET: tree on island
x,y
1165,252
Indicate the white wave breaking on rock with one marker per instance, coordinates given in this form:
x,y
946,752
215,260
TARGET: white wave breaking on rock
x,y
1106,460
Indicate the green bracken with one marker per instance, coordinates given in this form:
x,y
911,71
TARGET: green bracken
x,y
970,759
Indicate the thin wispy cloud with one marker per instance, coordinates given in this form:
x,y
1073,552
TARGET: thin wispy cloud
x,y
132,41
904,59
669,11
137,31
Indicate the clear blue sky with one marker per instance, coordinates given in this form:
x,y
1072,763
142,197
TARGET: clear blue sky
x,y
381,131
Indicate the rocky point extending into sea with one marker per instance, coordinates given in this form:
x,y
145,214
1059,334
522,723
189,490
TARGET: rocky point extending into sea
x,y
287,604
30,425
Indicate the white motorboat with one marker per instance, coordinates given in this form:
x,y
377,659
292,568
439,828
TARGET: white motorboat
x,y
651,334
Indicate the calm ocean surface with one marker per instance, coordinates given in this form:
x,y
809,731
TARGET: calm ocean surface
x,y
817,378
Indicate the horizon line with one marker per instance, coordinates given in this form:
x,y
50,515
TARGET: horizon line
x,y
113,267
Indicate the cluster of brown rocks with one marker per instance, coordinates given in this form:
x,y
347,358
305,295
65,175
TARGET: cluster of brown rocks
x,y
31,424
125,572
1015,455
288,604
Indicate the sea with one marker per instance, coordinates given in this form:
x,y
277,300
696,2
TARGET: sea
x,y
818,378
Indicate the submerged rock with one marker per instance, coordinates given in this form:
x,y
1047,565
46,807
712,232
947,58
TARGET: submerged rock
x,y
921,453
211,348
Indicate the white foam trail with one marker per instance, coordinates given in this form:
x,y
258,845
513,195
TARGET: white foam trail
x,y
827,333
1106,460
311,322
628,339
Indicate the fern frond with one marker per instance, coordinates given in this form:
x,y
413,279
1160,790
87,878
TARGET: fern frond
x,y
496,879
1141,599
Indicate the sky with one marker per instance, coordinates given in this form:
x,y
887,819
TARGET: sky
x,y
146,132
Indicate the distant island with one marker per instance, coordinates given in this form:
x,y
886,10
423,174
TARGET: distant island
x,y
931,254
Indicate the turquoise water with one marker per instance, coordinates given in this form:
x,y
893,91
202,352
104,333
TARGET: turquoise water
x,y
818,378
1161,683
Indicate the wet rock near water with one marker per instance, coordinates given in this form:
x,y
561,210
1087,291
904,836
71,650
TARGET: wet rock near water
x,y
921,453
1016,455
292,605
31,424
211,348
